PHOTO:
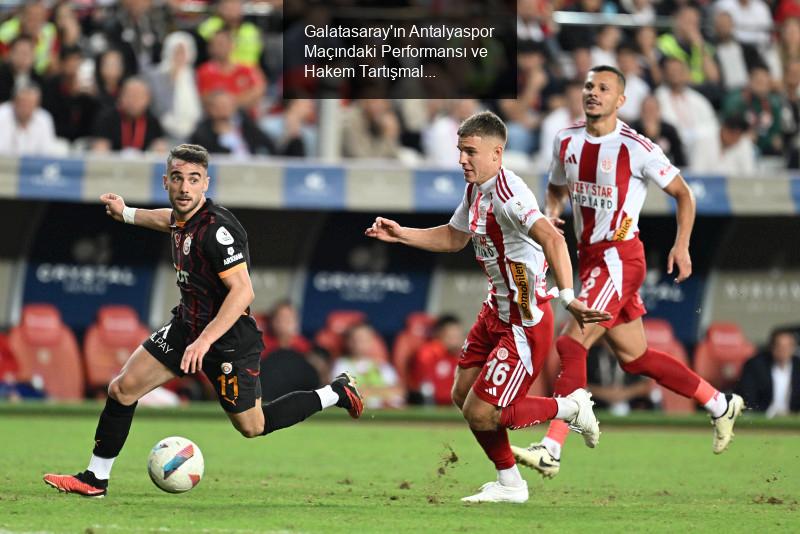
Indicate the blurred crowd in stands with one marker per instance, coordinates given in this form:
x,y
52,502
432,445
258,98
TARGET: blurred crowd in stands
x,y
41,358
715,82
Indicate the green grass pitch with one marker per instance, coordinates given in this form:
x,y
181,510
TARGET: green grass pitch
x,y
334,475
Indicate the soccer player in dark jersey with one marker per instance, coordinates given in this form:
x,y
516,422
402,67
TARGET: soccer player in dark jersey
x,y
211,328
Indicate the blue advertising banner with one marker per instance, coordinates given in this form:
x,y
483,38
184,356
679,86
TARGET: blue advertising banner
x,y
52,179
795,185
680,304
81,260
314,187
711,193
159,196
386,282
438,191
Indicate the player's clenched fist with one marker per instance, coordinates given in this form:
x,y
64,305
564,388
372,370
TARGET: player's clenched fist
x,y
114,205
385,230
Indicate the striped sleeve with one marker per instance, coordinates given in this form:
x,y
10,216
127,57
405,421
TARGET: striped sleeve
x,y
460,218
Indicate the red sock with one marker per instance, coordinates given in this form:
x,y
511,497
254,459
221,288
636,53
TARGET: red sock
x,y
528,411
572,376
558,431
496,446
668,372
573,366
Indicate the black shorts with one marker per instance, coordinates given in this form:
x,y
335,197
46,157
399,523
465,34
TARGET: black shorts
x,y
233,372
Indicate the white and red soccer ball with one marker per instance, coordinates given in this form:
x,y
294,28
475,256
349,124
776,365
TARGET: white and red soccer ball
x,y
175,464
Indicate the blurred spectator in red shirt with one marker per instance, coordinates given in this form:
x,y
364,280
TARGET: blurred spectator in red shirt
x,y
433,369
284,330
130,125
219,73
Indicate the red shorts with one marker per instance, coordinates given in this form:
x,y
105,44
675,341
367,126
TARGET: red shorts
x,y
496,346
611,275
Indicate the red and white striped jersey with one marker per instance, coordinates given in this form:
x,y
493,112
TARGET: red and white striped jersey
x,y
607,178
498,214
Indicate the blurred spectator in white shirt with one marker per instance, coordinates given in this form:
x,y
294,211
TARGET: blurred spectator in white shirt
x,y
604,49
691,114
175,100
26,129
636,89
737,151
752,21
439,141
569,111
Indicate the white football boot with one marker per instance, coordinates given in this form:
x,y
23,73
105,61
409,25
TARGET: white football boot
x,y
496,492
723,425
584,422
539,458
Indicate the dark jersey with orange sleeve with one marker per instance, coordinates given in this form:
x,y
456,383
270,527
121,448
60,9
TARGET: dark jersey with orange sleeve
x,y
207,248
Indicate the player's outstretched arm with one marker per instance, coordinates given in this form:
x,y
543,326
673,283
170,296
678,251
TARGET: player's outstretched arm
x,y
555,251
442,238
685,213
157,219
240,296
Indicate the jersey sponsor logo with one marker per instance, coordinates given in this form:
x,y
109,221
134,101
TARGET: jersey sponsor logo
x,y
231,259
520,276
159,337
224,237
181,276
230,251
502,353
597,196
663,172
187,243
483,247
623,229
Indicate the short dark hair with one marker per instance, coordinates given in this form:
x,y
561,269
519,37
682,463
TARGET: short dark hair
x,y
484,123
444,321
190,154
609,68
782,331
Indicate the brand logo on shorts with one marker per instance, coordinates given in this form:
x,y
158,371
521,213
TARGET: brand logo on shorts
x,y
226,367
224,237
502,353
186,244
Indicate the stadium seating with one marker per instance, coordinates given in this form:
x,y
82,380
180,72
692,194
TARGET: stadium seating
x,y
47,352
720,356
109,342
660,336
331,337
408,341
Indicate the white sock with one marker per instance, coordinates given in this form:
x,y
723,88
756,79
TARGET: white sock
x,y
552,446
327,396
717,406
567,408
510,477
101,467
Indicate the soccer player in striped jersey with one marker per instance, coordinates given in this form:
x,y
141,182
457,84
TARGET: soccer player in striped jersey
x,y
514,244
211,328
603,166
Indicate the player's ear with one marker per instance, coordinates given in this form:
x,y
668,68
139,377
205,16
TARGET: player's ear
x,y
164,181
621,101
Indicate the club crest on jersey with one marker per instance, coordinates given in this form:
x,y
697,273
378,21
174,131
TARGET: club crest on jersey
x,y
177,239
502,353
224,237
186,244
226,367
607,165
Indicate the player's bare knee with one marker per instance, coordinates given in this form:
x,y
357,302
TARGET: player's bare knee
x,y
120,392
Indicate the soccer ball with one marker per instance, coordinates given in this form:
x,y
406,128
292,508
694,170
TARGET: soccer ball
x,y
175,464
